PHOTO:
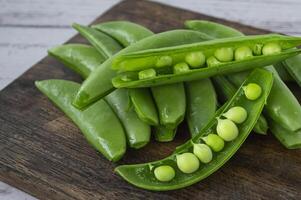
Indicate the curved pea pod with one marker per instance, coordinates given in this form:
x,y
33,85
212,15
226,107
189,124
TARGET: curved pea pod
x,y
201,104
293,66
138,132
226,90
102,42
80,58
125,32
142,175
98,123
92,89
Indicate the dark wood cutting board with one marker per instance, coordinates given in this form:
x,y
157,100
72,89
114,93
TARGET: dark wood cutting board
x,y
44,154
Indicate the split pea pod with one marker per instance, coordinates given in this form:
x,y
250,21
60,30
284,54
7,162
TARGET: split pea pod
x,y
282,106
137,131
98,123
226,90
127,33
92,89
183,165
130,65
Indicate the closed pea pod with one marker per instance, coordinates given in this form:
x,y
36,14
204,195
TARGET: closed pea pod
x,y
103,131
141,176
293,66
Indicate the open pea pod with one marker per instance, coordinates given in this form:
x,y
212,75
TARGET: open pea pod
x,y
142,175
98,123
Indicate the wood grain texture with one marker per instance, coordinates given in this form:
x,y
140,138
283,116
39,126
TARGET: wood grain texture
x,y
44,154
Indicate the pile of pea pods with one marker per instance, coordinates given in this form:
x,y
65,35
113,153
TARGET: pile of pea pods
x,y
222,83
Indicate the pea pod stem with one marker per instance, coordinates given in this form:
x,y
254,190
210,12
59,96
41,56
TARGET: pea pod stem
x,y
104,132
141,176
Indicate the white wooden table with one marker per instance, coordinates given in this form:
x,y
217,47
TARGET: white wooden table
x,y
29,27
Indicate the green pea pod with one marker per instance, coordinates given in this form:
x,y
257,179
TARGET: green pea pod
x,y
103,43
142,175
80,58
293,66
282,72
137,131
226,90
200,73
201,104
164,134
92,89
290,139
171,108
126,33
282,106
98,123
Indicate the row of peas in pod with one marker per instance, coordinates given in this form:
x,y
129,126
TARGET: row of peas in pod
x,y
226,131
194,60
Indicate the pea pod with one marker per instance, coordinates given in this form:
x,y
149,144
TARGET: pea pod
x,y
293,66
103,43
282,72
137,131
200,73
142,175
226,90
79,57
126,33
282,107
201,104
92,89
98,123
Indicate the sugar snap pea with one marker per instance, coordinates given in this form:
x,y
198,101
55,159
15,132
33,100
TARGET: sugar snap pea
x,y
293,66
102,42
92,89
145,59
201,104
80,58
98,123
137,131
142,175
282,106
124,32
282,71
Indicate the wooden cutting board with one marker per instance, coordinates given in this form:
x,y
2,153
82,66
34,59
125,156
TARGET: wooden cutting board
x,y
44,154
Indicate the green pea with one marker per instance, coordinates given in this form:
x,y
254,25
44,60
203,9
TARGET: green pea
x,y
271,48
242,53
252,91
226,129
164,61
164,173
195,59
215,142
203,152
125,78
147,73
257,49
188,163
212,62
236,114
180,68
224,54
